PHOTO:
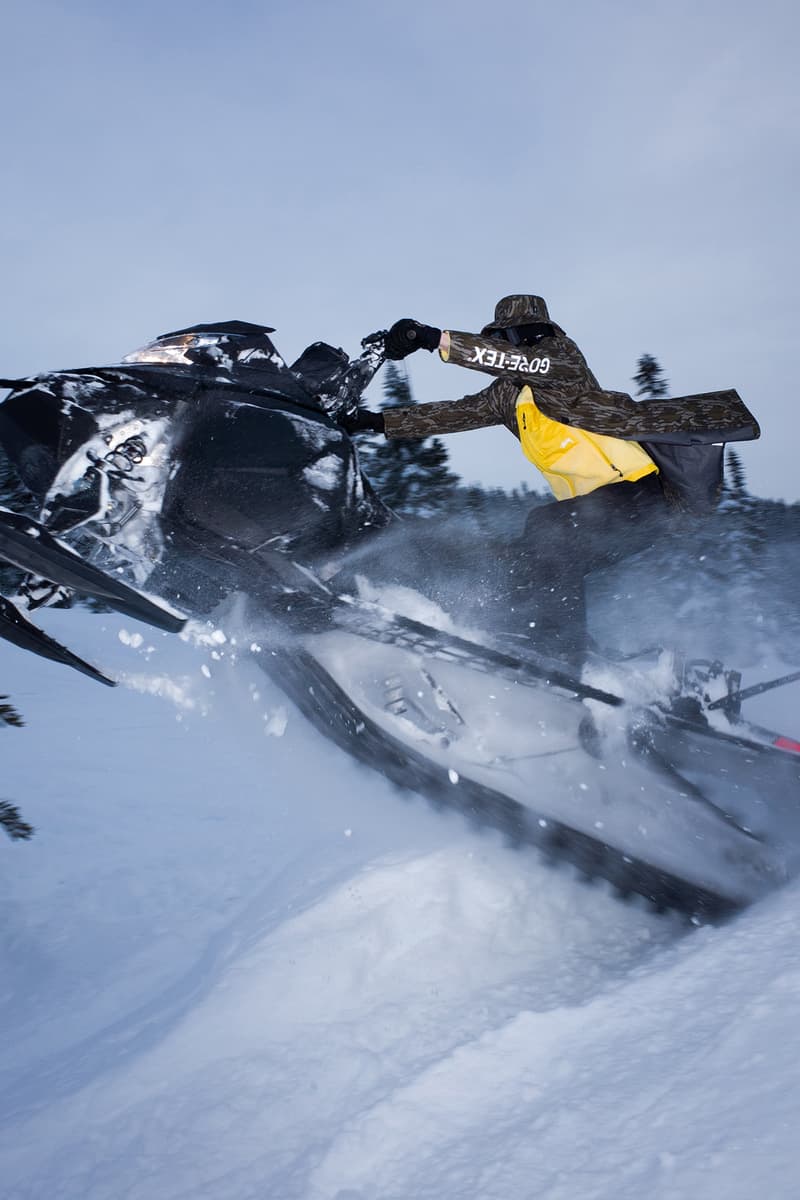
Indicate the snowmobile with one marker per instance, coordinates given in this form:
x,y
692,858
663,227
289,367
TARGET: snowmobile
x,y
203,466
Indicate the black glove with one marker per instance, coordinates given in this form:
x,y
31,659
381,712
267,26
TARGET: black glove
x,y
374,421
406,336
364,421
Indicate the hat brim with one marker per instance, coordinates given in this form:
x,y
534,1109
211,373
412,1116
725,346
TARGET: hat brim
x,y
488,330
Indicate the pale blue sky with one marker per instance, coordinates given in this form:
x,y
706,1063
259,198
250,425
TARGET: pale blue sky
x,y
329,167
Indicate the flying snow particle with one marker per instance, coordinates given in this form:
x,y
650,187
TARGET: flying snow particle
x,y
275,722
130,639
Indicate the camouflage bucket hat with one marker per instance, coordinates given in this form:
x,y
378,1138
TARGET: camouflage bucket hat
x,y
517,310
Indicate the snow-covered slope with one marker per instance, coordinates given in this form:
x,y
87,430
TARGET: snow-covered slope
x,y
234,964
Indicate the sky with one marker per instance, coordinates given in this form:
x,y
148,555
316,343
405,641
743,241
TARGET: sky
x,y
327,169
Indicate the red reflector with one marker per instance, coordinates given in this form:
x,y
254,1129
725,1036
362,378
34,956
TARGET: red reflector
x,y
784,743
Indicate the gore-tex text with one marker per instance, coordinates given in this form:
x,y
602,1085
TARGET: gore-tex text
x,y
482,356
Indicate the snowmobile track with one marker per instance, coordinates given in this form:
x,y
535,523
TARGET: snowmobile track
x,y
332,711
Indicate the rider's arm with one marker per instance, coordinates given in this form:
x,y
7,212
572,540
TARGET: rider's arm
x,y
554,360
495,405
565,390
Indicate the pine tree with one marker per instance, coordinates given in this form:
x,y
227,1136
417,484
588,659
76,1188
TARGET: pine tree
x,y
10,819
8,714
410,475
13,495
13,824
650,379
744,534
737,487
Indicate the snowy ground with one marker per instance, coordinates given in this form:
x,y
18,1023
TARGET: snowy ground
x,y
235,965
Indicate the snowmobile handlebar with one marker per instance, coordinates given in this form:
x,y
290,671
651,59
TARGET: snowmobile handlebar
x,y
357,377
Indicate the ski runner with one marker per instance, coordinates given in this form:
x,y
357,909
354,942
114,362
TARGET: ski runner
x,y
664,458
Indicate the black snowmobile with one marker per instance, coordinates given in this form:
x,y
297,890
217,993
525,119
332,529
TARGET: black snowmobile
x,y
203,466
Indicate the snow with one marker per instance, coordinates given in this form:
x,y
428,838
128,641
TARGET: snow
x,y
325,473
237,966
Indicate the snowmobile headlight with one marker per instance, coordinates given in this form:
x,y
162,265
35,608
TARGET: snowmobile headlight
x,y
173,349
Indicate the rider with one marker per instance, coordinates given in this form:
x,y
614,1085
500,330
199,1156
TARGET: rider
x,y
663,457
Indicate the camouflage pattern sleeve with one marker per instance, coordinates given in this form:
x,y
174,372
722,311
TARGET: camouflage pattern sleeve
x,y
708,417
495,405
555,361
566,390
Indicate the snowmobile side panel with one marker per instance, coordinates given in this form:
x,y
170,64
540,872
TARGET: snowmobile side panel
x,y
756,784
530,671
332,710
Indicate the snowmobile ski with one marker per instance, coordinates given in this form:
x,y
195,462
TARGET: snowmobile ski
x,y
28,545
21,632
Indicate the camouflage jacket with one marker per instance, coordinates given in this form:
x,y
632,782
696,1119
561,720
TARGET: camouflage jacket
x,y
566,390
